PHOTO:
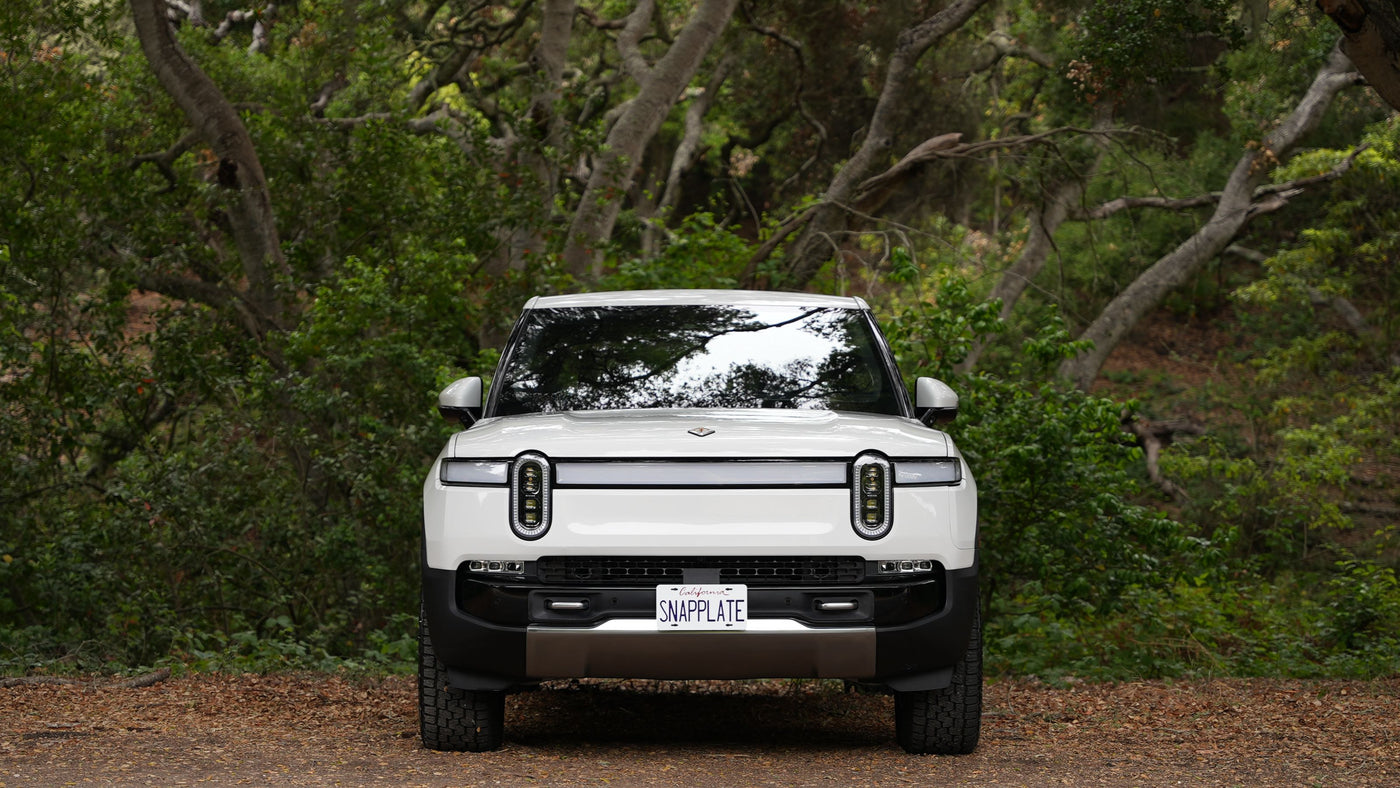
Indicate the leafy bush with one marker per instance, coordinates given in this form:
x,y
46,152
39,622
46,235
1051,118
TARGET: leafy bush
x,y
1064,547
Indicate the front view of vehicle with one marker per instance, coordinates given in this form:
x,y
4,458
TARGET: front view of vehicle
x,y
699,485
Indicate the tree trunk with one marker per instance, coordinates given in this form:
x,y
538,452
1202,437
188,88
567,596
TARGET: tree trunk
x,y
815,246
1040,241
1372,41
1235,208
240,172
687,152
546,130
661,86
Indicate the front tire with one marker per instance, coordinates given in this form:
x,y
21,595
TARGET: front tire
x,y
450,719
946,721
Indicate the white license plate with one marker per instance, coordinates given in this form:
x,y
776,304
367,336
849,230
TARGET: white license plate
x,y
705,607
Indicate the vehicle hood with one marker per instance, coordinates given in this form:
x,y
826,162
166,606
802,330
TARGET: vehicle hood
x,y
666,433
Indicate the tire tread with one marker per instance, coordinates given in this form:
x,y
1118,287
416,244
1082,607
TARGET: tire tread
x,y
945,721
453,720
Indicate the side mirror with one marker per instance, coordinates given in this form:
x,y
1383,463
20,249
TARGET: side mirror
x,y
461,401
934,401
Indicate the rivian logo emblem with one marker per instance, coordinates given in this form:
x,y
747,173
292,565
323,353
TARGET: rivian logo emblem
x,y
701,432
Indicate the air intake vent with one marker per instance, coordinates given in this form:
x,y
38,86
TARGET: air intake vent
x,y
758,571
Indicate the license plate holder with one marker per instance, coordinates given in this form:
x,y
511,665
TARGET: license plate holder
x,y
720,607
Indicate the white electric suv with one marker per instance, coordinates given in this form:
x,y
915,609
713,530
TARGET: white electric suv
x,y
699,484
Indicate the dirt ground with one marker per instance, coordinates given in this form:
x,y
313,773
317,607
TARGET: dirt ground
x,y
327,730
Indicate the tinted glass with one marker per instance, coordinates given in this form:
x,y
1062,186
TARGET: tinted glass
x,y
609,358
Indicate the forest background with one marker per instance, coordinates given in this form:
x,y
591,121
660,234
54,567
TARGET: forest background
x,y
243,246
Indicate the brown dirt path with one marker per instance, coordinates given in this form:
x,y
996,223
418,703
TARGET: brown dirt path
x,y
327,730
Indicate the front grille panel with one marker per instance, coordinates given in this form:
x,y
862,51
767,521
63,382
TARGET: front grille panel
x,y
757,571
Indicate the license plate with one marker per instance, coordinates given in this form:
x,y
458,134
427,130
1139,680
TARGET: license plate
x,y
703,607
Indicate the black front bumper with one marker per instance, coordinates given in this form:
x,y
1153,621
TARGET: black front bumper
x,y
499,634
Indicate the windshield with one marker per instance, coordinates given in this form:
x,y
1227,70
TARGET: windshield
x,y
609,358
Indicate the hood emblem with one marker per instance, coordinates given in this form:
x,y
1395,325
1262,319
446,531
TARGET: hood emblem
x,y
701,432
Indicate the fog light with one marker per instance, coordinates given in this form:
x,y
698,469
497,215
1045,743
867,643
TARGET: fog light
x,y
496,567
905,567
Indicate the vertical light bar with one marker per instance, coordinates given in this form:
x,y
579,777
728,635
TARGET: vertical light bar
x,y
872,496
530,489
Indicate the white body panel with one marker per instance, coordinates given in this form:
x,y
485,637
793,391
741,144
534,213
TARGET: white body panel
x,y
934,522
694,298
738,434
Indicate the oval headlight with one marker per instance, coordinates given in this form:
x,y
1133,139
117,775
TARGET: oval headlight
x,y
872,496
530,488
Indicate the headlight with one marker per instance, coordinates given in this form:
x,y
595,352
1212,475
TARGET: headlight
x,y
474,472
872,498
530,487
941,471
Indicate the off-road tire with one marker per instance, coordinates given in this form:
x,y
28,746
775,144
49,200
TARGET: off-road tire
x,y
450,719
946,721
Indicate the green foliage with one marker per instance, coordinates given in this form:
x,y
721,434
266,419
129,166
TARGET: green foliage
x,y
279,647
1324,390
1338,625
184,489
1278,513
1125,43
1363,620
1348,253
1084,582
1064,547
700,253
180,484
1266,80
936,327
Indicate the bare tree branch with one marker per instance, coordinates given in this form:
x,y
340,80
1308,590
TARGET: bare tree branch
x,y
445,73
1154,436
472,35
599,23
629,41
1043,223
798,98
783,231
165,160
689,148
1234,209
1267,198
256,18
613,173
811,249
326,93
240,172
998,46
